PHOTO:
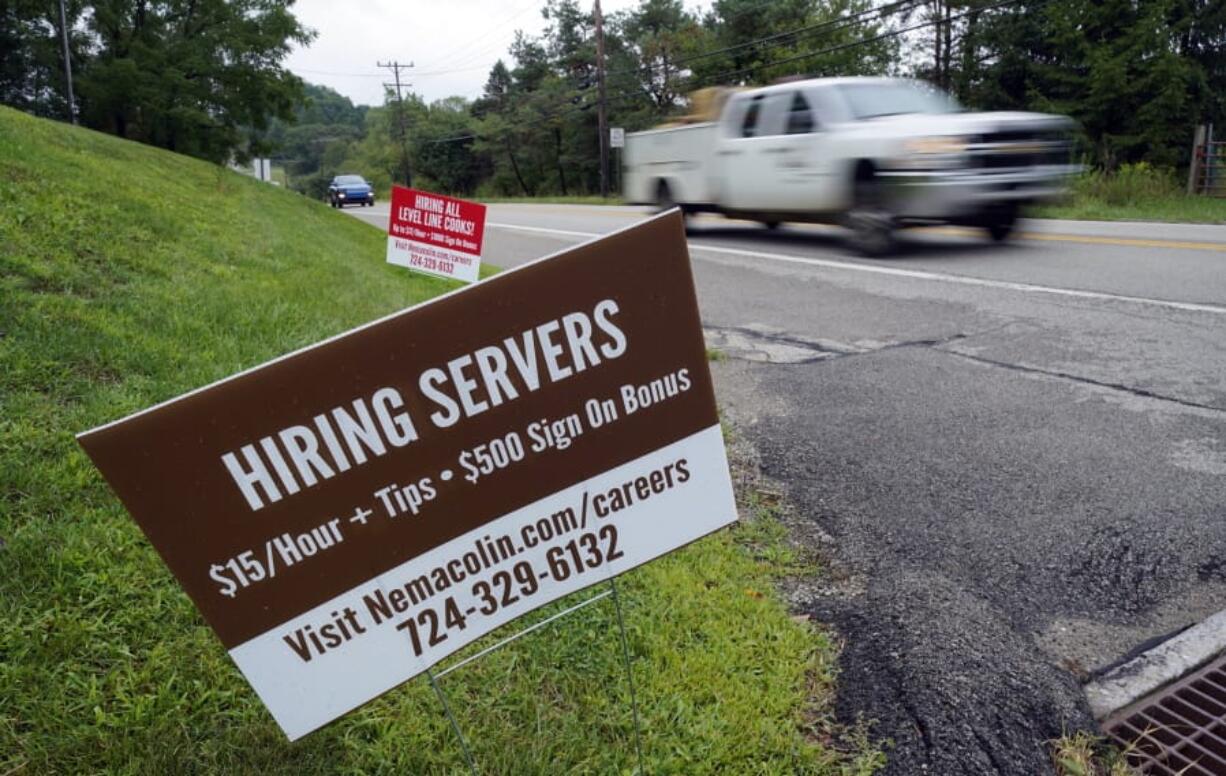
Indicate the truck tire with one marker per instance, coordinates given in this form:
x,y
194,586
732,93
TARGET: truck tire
x,y
870,221
1000,223
664,197
665,202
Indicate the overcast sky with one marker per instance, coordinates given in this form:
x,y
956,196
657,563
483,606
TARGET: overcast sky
x,y
452,43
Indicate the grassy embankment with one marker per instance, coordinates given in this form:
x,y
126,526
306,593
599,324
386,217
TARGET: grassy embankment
x,y
129,275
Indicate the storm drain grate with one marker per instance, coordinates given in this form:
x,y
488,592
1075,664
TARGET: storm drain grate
x,y
1180,729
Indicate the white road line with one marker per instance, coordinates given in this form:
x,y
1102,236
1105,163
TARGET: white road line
x,y
916,274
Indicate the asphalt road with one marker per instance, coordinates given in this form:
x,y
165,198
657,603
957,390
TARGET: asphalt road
x,y
1012,458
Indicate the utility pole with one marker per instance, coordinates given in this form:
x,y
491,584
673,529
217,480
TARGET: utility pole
x,y
72,103
396,67
602,114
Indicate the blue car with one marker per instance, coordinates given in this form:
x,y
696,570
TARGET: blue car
x,y
350,190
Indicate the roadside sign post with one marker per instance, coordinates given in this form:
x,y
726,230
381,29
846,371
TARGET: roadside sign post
x,y
262,168
455,724
634,703
347,516
434,234
617,141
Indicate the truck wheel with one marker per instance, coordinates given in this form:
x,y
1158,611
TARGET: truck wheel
x,y
870,221
664,197
1000,224
665,202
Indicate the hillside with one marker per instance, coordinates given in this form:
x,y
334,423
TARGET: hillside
x,y
129,275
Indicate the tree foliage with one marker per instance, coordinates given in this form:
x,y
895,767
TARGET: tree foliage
x,y
203,77
533,130
1138,75
188,75
32,74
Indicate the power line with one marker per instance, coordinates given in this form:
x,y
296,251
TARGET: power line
x,y
788,37
482,54
627,95
865,41
882,12
384,75
772,41
450,59
842,23
750,9
333,72
775,39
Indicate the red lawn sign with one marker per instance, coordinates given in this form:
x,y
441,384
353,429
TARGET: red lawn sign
x,y
435,234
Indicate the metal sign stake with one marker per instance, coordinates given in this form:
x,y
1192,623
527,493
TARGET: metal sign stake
x,y
455,725
634,704
625,644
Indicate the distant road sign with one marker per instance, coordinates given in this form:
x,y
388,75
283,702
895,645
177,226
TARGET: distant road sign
x,y
350,514
435,234
262,168
617,137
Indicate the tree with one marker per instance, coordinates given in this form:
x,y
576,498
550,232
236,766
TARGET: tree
x,y
32,76
1137,74
496,138
657,34
322,123
443,147
189,74
757,43
322,105
497,93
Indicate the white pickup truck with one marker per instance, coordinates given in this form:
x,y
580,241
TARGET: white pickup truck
x,y
874,154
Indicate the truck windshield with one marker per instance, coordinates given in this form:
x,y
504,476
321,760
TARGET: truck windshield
x,y
869,101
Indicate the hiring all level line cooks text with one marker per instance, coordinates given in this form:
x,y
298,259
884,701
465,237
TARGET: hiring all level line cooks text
x,y
303,455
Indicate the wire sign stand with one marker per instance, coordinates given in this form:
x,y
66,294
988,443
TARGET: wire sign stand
x,y
434,678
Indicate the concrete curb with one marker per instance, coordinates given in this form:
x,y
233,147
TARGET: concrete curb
x,y
1159,666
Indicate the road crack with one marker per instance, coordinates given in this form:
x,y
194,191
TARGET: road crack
x,y
757,342
1120,387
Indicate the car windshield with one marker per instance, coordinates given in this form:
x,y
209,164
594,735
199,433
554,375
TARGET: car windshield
x,y
350,180
873,100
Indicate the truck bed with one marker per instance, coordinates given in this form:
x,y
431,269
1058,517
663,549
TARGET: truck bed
x,y
674,156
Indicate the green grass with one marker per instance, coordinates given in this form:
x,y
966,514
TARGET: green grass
x,y
1176,209
1135,192
1081,754
129,275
